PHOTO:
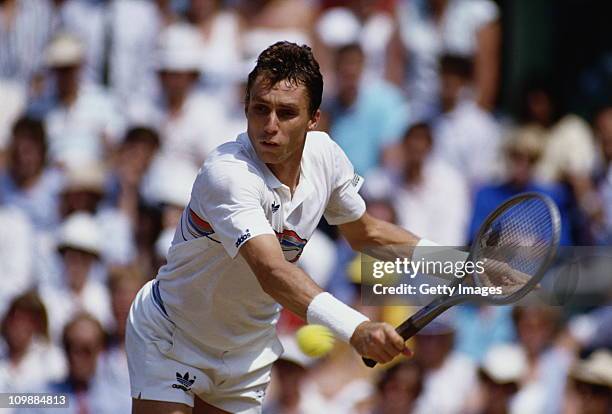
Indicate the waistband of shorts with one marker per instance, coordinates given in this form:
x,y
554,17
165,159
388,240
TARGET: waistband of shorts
x,y
157,299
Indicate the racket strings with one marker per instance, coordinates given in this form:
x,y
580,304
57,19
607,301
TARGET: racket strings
x,y
515,246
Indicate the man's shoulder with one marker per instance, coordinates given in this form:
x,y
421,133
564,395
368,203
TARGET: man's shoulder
x,y
319,143
229,164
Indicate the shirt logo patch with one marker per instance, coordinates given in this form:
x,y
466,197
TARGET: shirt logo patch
x,y
291,244
243,238
184,383
355,180
275,207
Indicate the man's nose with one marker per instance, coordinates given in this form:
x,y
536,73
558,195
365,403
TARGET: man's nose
x,y
271,126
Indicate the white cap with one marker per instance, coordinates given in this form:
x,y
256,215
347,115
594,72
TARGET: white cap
x,y
505,363
179,49
596,369
85,177
169,181
338,27
80,231
64,50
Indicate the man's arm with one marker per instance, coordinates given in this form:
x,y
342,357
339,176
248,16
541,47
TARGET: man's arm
x,y
378,238
295,290
386,241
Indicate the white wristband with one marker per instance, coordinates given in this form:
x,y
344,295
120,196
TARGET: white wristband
x,y
340,318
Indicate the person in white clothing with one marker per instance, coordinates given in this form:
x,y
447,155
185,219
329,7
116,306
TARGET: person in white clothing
x,y
201,337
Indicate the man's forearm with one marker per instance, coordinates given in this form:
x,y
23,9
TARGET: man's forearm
x,y
291,287
380,239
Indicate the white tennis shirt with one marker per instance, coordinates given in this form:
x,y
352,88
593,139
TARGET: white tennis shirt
x,y
207,289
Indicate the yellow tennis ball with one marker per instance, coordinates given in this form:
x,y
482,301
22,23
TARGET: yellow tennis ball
x,y
315,340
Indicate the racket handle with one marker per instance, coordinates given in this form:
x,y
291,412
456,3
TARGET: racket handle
x,y
406,330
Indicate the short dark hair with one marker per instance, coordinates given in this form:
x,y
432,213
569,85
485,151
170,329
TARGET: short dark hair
x,y
457,65
286,60
349,48
418,126
33,129
142,134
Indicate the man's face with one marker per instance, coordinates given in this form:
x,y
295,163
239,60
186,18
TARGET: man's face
x,y
83,345
278,119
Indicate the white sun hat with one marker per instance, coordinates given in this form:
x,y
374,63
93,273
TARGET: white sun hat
x,y
169,181
81,232
596,369
179,49
505,363
64,50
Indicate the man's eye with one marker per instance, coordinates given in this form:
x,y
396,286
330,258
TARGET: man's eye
x,y
286,114
260,109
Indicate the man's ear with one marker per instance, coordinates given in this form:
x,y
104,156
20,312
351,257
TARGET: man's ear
x,y
314,120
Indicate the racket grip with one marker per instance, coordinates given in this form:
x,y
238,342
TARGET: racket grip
x,y
406,330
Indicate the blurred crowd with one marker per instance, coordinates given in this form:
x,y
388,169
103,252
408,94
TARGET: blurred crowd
x,y
109,107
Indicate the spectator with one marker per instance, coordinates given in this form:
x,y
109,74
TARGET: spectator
x,y
569,150
597,202
364,117
548,361
28,182
481,327
265,22
220,33
81,120
78,289
449,376
289,395
27,359
399,388
362,22
25,28
83,340
123,284
464,126
87,21
522,153
132,162
135,26
84,191
16,255
430,28
591,385
500,376
190,123
12,105
422,188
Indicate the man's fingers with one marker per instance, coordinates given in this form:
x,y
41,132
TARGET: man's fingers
x,y
394,338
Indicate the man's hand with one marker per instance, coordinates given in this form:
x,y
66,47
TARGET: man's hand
x,y
378,341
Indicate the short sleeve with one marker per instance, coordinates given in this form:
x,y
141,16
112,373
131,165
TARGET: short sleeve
x,y
227,203
345,204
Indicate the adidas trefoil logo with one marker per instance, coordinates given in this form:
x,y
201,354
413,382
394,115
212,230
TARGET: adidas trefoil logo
x,y
184,383
275,207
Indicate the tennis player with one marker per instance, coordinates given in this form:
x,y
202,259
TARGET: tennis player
x,y
201,336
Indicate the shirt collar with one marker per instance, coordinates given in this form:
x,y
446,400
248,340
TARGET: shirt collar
x,y
304,187
269,177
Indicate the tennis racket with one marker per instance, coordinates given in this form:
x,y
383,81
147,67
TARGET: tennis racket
x,y
517,242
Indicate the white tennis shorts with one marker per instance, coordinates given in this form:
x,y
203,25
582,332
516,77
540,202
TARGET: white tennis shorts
x,y
165,365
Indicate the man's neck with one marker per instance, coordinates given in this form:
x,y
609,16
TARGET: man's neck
x,y
288,172
69,97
